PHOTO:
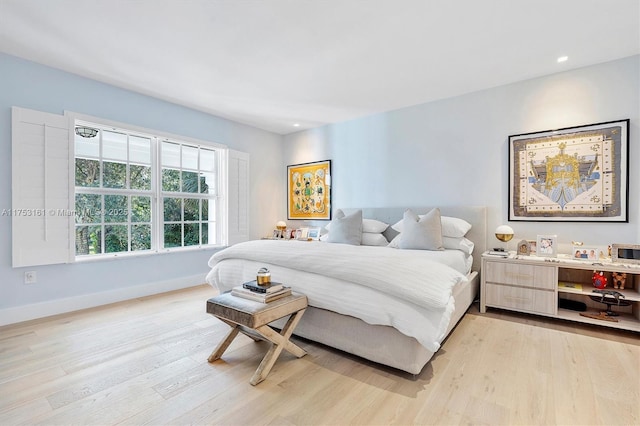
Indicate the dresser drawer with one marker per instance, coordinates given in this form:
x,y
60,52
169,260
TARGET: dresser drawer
x,y
521,298
521,275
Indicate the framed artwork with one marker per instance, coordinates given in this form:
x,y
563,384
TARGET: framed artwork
x,y
586,253
309,191
547,245
575,174
533,247
314,234
302,234
524,249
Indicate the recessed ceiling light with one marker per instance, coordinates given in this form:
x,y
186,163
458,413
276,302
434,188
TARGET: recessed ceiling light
x,y
296,125
562,59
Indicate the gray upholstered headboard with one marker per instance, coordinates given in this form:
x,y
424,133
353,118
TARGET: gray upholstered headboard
x,y
475,215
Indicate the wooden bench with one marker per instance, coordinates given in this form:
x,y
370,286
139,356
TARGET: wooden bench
x,y
252,318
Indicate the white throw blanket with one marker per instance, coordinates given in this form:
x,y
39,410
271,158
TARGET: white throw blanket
x,y
406,274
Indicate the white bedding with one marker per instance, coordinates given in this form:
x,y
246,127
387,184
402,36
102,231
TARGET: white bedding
x,y
405,289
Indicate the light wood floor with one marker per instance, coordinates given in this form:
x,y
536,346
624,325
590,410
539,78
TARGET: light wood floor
x,y
145,362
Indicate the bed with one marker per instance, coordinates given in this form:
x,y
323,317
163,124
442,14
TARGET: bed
x,y
387,305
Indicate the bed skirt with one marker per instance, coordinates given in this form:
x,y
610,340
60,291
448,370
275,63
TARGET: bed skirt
x,y
378,343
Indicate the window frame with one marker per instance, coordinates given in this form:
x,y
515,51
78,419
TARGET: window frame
x,y
156,192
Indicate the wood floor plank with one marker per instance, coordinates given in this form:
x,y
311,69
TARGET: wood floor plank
x,y
144,361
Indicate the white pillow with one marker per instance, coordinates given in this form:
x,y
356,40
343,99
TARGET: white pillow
x,y
463,244
421,233
374,239
346,229
451,226
454,227
368,225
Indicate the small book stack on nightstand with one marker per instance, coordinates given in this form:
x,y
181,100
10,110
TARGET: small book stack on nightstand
x,y
261,293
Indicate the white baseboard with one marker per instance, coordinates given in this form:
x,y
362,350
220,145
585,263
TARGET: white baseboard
x,y
61,306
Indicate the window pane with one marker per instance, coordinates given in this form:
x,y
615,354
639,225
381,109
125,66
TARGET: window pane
x,y
115,239
173,235
207,183
139,150
208,209
87,147
115,175
170,180
140,177
88,240
87,172
140,237
115,208
205,233
170,154
207,160
172,210
190,182
140,209
88,208
114,146
191,209
189,157
209,233
191,234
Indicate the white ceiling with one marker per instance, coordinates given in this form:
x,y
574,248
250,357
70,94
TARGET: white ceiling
x,y
273,63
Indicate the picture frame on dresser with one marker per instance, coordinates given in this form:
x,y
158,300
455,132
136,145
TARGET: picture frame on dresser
x,y
547,245
572,174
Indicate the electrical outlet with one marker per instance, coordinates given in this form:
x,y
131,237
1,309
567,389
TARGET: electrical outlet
x,y
30,277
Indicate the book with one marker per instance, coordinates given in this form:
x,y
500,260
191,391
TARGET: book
x,y
570,285
498,253
269,288
239,291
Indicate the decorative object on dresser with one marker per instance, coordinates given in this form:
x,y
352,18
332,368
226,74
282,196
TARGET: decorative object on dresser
x,y
309,190
599,280
558,288
524,248
547,245
618,279
625,253
574,174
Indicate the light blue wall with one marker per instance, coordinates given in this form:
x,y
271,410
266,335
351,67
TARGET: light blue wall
x,y
29,85
455,151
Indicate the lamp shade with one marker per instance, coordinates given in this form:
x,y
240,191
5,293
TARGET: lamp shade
x,y
504,233
281,225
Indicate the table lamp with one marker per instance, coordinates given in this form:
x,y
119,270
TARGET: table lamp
x,y
503,233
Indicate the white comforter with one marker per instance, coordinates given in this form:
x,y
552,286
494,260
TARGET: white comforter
x,y
404,289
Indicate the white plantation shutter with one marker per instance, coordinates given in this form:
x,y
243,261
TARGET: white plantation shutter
x,y
238,197
41,220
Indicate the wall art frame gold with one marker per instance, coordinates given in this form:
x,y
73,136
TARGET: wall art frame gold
x,y
309,191
573,174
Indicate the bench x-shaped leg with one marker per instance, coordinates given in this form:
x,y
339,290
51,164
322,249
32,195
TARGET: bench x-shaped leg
x,y
280,341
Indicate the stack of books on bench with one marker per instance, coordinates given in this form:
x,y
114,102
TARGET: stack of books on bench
x,y
261,293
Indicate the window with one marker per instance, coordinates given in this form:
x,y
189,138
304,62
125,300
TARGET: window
x,y
188,194
118,190
125,204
